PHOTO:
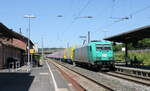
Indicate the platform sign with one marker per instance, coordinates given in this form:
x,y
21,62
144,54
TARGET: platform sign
x,y
32,51
123,49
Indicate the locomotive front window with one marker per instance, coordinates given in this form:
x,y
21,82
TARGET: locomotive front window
x,y
99,48
106,48
103,47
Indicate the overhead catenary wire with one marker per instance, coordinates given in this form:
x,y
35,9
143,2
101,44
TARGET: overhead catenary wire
x,y
112,8
129,16
84,7
111,15
139,11
80,12
118,18
74,18
125,17
107,25
77,15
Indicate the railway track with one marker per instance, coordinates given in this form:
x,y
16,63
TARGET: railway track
x,y
107,88
111,81
134,79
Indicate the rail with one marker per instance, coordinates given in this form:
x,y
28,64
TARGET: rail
x,y
106,87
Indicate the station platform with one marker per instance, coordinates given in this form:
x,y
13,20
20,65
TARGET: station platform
x,y
45,78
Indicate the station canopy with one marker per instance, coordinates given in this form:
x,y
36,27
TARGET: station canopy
x,y
131,36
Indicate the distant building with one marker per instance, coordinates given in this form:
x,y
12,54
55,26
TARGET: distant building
x,y
13,47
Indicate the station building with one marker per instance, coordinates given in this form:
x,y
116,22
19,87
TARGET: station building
x,y
13,47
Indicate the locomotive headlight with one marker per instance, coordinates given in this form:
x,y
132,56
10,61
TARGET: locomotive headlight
x,y
104,55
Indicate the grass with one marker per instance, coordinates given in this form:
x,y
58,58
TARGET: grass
x,y
141,56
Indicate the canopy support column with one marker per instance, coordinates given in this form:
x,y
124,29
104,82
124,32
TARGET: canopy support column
x,y
126,53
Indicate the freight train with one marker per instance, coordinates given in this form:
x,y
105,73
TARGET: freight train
x,y
97,55
68,55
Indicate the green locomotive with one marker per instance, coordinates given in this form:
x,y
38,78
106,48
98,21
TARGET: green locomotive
x,y
96,55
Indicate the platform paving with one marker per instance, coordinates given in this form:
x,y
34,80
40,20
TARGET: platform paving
x,y
45,78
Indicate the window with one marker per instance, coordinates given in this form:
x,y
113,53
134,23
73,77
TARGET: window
x,y
106,48
90,48
103,47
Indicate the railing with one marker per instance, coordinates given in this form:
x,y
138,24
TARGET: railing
x,y
134,72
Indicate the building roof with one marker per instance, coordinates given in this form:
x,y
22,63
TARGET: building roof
x,y
131,36
12,34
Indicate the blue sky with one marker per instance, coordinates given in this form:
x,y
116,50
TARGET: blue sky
x,y
58,31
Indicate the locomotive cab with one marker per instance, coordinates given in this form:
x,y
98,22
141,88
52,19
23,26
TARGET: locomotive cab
x,y
103,55
97,55
104,52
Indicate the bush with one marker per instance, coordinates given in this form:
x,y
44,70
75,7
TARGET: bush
x,y
141,56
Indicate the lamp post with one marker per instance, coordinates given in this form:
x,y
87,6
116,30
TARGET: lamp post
x,y
29,17
42,49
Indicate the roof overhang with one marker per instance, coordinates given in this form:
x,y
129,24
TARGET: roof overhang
x,y
131,36
4,31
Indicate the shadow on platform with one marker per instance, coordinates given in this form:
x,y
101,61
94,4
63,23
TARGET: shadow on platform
x,y
15,81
